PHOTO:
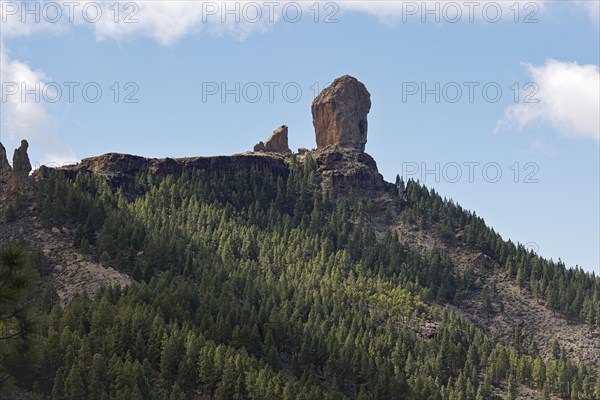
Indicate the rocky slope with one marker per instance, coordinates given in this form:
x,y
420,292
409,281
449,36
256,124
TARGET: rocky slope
x,y
68,270
512,307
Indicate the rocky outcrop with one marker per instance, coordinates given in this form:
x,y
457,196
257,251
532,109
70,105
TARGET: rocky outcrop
x,y
276,143
16,179
4,165
120,170
21,164
340,170
349,171
340,120
340,114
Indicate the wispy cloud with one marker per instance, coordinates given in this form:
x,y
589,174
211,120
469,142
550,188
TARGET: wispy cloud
x,y
164,21
592,7
401,11
169,21
569,100
19,116
28,118
539,146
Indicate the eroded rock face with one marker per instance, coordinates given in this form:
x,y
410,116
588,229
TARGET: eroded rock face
x,y
120,170
276,143
4,165
347,171
340,114
21,164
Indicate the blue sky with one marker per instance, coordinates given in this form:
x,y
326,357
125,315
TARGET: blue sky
x,y
173,59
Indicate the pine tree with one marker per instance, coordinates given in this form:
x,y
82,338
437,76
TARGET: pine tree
x,y
597,386
17,317
546,393
512,387
177,393
226,388
556,349
74,384
170,357
58,390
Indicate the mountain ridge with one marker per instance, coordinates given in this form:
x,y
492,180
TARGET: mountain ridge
x,y
351,174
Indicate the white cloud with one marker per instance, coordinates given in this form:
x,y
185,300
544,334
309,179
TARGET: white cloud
x,y
21,118
167,22
27,118
592,7
27,18
406,11
57,155
569,99
164,21
538,145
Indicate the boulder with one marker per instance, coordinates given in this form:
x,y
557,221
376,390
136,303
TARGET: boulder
x,y
483,260
340,114
21,164
302,150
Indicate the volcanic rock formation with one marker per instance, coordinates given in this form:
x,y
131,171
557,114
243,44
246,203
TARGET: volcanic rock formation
x,y
4,165
120,170
340,114
21,164
16,179
276,143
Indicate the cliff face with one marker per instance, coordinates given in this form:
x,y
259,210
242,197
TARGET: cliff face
x,y
341,171
123,165
120,170
350,171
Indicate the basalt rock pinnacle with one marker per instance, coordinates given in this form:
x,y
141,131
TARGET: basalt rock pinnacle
x,y
21,163
16,179
340,114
